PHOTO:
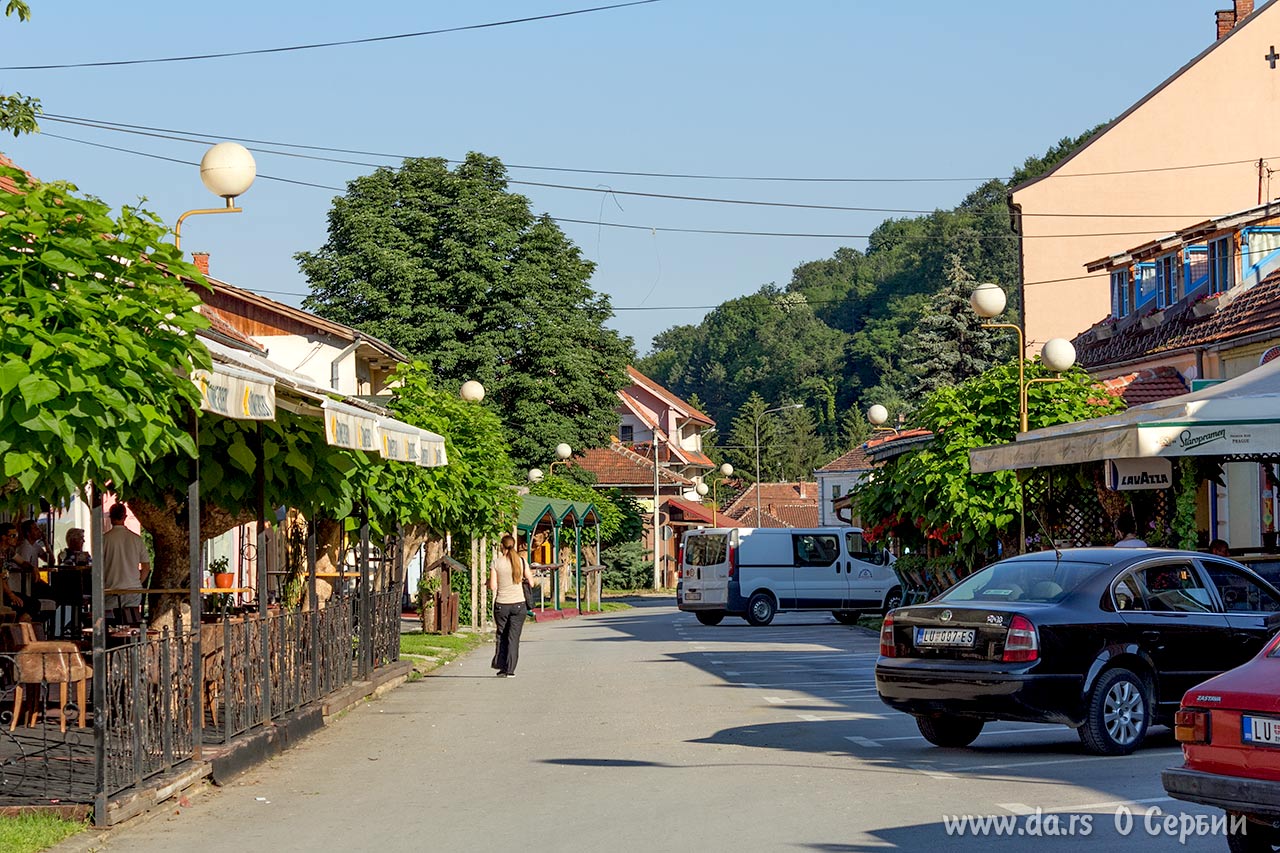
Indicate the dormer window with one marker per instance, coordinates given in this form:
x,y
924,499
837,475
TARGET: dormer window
x,y
1221,265
1167,291
1121,293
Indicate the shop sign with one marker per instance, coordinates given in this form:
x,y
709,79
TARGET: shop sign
x,y
234,396
1131,475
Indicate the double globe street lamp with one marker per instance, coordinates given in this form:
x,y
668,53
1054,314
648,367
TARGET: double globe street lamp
x,y
726,470
988,301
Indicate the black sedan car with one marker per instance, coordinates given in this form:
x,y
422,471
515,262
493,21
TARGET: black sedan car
x,y
1105,640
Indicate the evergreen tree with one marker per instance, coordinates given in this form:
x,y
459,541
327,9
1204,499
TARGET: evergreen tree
x,y
950,345
741,449
797,449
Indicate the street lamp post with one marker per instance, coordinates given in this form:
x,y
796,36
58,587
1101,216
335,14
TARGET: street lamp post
x,y
228,170
563,452
877,415
758,419
726,470
1057,354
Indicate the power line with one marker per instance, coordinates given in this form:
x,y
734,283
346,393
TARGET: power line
x,y
104,124
173,136
315,46
659,228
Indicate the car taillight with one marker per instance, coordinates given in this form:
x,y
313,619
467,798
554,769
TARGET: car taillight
x,y
1021,644
887,647
1191,726
733,562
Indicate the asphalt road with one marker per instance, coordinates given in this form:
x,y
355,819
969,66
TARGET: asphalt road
x,y
644,730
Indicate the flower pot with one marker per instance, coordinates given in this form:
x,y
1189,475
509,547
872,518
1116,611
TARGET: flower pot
x,y
1104,332
1153,319
1205,307
224,580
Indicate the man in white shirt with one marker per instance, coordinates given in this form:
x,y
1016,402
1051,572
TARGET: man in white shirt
x,y
125,564
1128,537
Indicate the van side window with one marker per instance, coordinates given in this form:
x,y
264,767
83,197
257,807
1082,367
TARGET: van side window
x,y
815,549
859,549
710,550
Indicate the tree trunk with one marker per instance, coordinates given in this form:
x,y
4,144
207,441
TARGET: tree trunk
x,y
170,537
329,533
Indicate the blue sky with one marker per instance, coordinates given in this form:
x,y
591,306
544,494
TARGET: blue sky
x,y
809,88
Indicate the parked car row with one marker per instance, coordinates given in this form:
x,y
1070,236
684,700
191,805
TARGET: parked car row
x,y
1110,642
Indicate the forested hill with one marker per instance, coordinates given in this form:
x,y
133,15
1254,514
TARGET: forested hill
x,y
881,326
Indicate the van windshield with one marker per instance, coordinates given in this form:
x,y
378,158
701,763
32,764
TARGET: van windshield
x,y
709,550
1037,581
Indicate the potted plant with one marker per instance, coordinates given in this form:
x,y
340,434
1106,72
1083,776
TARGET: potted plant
x,y
1206,305
223,577
1153,318
428,586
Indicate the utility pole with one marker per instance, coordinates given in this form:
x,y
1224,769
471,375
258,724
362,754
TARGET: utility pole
x,y
657,533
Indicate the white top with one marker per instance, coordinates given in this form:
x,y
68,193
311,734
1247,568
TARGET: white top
x,y
1131,542
122,553
509,592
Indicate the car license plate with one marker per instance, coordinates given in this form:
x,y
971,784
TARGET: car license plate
x,y
944,637
693,596
1260,730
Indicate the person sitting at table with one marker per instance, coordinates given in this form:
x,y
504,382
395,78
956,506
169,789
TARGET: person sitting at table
x,y
74,554
125,563
28,607
31,547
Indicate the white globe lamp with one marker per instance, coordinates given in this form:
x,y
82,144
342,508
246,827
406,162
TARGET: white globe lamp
x,y
701,489
877,415
535,475
471,391
563,451
1058,354
987,300
726,470
228,170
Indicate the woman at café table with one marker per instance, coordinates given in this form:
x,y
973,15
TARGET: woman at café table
x,y
28,607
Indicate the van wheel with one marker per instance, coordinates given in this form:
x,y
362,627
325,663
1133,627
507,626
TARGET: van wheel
x,y
761,609
710,617
1117,715
846,617
893,600
949,731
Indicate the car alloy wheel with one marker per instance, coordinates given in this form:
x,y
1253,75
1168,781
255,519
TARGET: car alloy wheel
x,y
1124,712
1117,715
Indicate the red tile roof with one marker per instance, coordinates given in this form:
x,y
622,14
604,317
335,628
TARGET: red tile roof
x,y
6,183
855,460
774,493
748,519
1147,386
617,465
1248,311
698,512
659,391
219,324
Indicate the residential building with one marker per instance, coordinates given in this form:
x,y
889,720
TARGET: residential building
x,y
652,415
836,479
780,505
1193,147
1199,304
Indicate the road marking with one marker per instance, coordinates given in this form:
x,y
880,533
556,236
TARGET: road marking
x,y
1024,809
862,741
847,715
1151,754
930,772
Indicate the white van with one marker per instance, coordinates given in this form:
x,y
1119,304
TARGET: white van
x,y
755,572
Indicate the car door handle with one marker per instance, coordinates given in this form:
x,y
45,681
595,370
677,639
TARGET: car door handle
x,y
1151,636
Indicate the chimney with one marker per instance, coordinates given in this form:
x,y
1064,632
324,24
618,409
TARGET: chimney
x,y
1244,8
802,485
771,509
1226,22
201,260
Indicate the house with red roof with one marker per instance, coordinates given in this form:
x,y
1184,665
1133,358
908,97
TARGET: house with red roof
x,y
1201,304
839,477
776,505
653,417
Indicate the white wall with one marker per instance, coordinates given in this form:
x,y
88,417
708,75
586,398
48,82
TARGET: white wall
x,y
846,480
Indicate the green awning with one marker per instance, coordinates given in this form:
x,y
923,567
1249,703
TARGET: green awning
x,y
534,511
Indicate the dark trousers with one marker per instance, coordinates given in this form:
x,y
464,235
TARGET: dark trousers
x,y
508,619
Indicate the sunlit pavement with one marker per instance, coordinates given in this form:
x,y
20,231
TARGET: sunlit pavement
x,y
645,730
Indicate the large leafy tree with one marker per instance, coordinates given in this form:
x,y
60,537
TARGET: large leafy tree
x,y
98,343
452,268
18,112
932,492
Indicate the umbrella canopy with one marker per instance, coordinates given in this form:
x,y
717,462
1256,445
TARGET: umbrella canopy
x,y
1238,417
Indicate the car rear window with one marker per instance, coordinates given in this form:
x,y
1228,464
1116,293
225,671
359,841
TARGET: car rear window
x,y
709,550
1036,581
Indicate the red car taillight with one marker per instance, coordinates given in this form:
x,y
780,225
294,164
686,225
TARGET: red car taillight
x,y
1191,726
887,648
733,562
1021,644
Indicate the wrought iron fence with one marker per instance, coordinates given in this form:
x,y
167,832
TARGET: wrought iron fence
x,y
43,761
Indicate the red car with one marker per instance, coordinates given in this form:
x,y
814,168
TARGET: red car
x,y
1229,728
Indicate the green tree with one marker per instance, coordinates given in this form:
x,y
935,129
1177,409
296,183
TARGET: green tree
x,y
932,489
950,345
452,268
797,450
98,343
18,112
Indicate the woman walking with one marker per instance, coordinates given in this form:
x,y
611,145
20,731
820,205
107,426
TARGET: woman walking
x,y
506,580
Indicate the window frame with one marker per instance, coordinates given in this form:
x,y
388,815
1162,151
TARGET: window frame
x,y
809,563
1207,562
1168,268
1142,591
1221,265
1122,294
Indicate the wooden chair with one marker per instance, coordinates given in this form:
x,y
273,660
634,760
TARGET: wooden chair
x,y
48,662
